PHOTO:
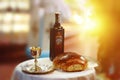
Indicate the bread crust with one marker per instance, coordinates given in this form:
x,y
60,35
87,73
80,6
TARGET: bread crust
x,y
70,62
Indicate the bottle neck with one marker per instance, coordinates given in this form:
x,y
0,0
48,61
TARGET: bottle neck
x,y
57,20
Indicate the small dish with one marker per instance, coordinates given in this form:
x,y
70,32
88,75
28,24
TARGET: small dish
x,y
91,62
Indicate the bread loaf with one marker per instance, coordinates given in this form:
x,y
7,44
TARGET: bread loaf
x,y
70,62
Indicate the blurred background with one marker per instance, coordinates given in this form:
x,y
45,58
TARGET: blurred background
x,y
91,29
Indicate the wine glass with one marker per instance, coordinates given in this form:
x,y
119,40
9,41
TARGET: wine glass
x,y
35,52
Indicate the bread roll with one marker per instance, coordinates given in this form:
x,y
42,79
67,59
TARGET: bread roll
x,y
70,62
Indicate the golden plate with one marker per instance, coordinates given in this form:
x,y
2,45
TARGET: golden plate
x,y
45,68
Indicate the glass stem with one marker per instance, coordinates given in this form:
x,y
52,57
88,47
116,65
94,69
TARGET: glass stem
x,y
36,63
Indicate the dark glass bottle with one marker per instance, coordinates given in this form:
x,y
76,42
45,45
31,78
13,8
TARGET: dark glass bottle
x,y
56,38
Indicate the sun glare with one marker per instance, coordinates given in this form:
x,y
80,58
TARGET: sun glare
x,y
78,19
88,19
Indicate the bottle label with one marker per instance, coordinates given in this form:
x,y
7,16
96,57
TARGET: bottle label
x,y
59,39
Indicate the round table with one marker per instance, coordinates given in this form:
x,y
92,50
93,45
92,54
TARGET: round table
x,y
18,74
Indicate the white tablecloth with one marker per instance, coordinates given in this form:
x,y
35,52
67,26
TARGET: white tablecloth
x,y
88,74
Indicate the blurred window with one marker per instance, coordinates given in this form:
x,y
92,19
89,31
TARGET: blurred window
x,y
14,18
